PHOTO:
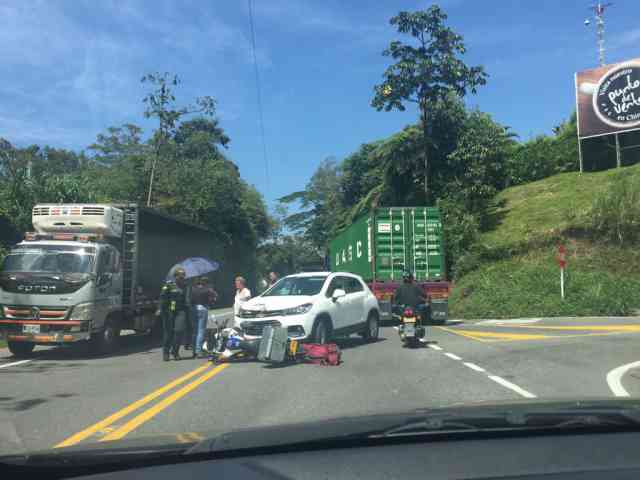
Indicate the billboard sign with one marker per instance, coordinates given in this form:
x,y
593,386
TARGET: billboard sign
x,y
608,99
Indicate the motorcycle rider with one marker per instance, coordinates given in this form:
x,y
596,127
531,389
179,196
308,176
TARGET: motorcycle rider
x,y
411,295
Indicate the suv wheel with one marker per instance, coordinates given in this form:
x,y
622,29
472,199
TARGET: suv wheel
x,y
321,331
21,349
372,328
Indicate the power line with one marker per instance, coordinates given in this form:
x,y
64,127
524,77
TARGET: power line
x,y
259,97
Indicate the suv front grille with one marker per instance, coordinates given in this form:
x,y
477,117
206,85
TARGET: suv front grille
x,y
260,313
255,328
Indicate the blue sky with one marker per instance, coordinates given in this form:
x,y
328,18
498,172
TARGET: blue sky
x,y
71,68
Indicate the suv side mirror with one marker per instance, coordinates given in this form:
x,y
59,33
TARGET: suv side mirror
x,y
338,293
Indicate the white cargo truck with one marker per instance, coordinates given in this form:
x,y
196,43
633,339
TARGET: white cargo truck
x,y
88,272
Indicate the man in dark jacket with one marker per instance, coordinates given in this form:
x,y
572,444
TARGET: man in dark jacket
x,y
202,298
175,310
411,295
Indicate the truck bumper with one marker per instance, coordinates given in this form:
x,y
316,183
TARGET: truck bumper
x,y
54,332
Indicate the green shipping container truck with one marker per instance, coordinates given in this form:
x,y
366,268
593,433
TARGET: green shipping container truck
x,y
383,244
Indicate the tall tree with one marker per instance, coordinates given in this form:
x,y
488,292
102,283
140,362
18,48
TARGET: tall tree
x,y
161,105
425,71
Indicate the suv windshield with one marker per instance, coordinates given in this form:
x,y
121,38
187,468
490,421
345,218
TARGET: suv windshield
x,y
49,258
289,286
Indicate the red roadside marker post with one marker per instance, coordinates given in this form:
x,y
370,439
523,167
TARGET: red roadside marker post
x,y
562,262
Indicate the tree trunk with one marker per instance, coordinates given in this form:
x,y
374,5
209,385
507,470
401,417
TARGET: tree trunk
x,y
425,151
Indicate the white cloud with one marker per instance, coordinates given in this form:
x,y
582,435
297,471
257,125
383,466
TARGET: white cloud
x,y
77,64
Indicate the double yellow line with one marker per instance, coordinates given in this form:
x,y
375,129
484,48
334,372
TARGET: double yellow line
x,y
149,413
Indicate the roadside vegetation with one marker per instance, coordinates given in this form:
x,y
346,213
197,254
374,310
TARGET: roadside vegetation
x,y
511,271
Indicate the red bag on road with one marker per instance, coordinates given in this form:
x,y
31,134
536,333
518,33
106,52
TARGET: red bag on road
x,y
322,354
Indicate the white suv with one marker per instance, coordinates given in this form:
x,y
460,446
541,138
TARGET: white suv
x,y
314,307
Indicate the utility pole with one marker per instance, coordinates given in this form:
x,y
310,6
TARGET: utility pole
x,y
598,10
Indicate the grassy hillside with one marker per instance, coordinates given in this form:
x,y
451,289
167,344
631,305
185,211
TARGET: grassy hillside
x,y
517,274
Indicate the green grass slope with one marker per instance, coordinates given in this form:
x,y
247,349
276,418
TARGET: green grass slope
x,y
518,275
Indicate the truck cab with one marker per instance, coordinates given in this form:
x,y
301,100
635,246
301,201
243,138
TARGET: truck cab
x,y
64,282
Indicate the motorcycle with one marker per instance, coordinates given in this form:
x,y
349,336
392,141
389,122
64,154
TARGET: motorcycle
x,y
411,329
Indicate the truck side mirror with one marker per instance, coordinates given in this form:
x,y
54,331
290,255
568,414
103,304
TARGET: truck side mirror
x,y
104,279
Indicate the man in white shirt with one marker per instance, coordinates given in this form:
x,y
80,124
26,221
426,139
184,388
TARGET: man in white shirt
x,y
243,294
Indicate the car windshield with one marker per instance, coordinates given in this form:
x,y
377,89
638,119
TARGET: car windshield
x,y
296,286
238,182
48,258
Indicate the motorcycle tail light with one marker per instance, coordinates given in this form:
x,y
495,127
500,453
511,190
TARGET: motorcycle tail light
x,y
408,312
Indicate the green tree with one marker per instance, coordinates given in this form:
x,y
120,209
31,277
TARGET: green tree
x,y
160,103
426,71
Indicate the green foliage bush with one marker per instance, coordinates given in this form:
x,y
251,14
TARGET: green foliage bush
x,y
615,212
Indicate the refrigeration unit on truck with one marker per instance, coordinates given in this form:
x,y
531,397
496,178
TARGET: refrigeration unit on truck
x,y
381,245
89,271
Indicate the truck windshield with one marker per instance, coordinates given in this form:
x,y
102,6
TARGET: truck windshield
x,y
296,286
49,258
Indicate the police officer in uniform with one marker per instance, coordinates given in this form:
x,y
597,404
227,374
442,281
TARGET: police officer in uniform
x,y
175,311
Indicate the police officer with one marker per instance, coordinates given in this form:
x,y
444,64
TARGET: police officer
x,y
175,310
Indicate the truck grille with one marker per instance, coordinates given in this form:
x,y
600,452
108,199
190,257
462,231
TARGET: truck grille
x,y
34,313
255,328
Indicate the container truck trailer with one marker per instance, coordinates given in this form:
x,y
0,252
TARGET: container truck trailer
x,y
381,245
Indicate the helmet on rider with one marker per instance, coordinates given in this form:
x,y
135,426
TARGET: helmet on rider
x,y
407,276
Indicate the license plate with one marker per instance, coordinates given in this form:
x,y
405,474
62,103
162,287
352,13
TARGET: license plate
x,y
410,330
409,319
31,329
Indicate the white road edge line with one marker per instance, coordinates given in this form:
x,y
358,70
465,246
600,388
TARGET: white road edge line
x,y
512,386
475,367
13,364
614,379
451,355
435,347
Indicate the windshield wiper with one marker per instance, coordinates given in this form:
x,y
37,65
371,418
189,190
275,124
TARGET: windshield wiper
x,y
517,420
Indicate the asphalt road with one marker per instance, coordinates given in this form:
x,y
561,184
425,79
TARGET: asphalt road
x,y
63,397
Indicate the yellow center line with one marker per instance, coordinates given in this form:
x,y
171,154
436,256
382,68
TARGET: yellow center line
x,y
101,425
160,406
594,328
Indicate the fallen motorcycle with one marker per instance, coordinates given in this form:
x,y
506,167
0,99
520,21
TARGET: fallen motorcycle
x,y
274,347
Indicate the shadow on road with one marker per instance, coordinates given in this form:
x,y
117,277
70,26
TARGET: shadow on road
x,y
69,356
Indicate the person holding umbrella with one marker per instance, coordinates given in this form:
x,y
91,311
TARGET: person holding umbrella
x,y
175,310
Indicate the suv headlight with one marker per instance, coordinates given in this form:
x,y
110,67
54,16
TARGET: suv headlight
x,y
82,311
299,310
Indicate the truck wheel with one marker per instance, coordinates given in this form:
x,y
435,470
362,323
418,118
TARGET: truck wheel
x,y
372,328
21,349
106,341
321,331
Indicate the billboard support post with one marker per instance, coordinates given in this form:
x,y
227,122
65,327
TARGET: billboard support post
x,y
580,154
618,153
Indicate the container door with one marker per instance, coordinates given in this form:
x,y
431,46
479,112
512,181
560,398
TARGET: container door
x,y
426,244
391,251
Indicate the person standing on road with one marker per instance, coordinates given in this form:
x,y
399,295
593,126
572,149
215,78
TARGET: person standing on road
x,y
202,298
243,295
175,311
